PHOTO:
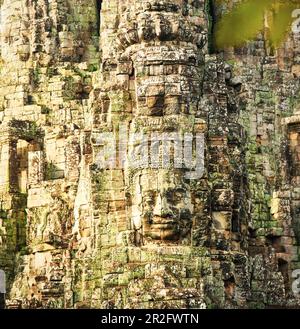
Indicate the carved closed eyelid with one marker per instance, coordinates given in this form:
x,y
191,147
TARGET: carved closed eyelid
x,y
178,197
149,197
177,193
174,192
168,194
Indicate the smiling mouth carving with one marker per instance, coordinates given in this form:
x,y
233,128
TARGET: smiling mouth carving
x,y
163,223
164,220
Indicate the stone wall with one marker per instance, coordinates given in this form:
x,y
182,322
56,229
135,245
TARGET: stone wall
x,y
75,234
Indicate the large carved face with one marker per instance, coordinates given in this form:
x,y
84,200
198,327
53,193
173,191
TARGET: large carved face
x,y
161,208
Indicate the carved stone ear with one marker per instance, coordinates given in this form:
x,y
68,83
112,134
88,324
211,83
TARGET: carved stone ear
x,y
138,239
128,197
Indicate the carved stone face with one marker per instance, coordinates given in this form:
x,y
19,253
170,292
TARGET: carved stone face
x,y
162,208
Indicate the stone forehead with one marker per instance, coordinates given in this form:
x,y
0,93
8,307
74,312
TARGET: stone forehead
x,y
160,179
171,6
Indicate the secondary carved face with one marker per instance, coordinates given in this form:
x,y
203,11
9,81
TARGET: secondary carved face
x,y
162,208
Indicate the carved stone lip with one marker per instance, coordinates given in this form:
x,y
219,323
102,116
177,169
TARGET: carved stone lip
x,y
165,224
163,220
169,226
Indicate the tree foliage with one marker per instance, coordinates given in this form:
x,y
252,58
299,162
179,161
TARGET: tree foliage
x,y
248,18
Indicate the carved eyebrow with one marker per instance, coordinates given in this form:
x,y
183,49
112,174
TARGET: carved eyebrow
x,y
149,194
180,189
170,192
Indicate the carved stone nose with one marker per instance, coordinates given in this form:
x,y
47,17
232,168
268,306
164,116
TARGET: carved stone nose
x,y
161,207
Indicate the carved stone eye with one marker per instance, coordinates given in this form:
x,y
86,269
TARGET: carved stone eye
x,y
149,198
169,196
174,196
178,196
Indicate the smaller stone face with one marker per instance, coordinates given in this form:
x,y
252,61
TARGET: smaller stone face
x,y
162,210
